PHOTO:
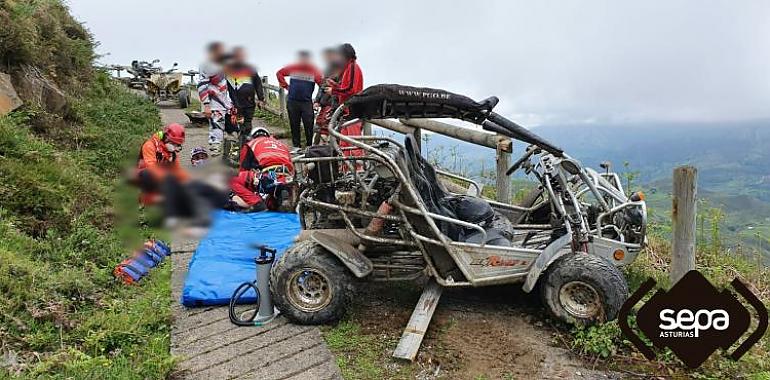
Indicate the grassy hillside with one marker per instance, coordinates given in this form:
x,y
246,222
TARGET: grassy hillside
x,y
62,313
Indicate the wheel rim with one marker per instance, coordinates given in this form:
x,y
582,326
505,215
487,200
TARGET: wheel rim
x,y
309,290
580,300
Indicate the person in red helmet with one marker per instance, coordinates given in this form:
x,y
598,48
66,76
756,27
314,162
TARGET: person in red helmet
x,y
158,160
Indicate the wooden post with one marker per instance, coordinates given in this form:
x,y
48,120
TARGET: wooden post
x,y
282,102
683,213
503,160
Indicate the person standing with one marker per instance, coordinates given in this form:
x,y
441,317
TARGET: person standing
x,y
325,103
351,82
352,79
299,105
215,98
245,87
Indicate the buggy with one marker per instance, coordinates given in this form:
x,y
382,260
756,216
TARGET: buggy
x,y
372,208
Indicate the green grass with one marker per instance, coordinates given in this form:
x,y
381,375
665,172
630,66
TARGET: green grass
x,y
62,314
43,33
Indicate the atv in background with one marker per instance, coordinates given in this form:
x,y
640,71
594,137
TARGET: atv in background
x,y
372,208
160,85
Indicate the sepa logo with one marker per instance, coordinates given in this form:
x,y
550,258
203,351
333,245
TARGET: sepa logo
x,y
686,323
694,319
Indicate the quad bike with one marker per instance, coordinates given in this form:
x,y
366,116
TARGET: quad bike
x,y
387,215
160,85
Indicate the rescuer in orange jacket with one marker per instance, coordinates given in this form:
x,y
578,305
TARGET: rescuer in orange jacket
x,y
158,160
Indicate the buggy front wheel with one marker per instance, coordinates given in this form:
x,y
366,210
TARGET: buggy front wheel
x,y
584,289
311,286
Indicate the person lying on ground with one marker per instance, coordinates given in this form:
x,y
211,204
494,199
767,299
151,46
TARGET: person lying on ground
x,y
299,104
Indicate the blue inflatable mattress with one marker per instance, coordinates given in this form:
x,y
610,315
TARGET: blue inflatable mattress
x,y
225,257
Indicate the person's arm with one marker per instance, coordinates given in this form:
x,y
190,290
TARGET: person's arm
x,y
151,161
258,89
281,75
345,87
238,186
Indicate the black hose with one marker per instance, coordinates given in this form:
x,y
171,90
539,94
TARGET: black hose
x,y
239,292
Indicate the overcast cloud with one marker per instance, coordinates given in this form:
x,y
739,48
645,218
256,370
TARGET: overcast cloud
x,y
548,61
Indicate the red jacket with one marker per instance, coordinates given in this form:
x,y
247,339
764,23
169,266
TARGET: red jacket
x,y
264,152
243,186
351,83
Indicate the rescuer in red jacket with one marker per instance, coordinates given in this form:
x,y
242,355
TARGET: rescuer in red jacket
x,y
264,152
265,172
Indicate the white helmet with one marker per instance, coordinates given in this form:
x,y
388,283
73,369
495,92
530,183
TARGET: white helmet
x,y
259,131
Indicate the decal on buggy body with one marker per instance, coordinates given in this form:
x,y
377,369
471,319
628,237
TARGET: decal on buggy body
x,y
499,261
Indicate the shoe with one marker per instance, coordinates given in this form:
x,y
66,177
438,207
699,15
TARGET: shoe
x,y
296,150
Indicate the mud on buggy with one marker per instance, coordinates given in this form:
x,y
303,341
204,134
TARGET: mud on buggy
x,y
372,208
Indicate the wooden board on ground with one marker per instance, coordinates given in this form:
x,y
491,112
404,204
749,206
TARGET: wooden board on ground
x,y
418,324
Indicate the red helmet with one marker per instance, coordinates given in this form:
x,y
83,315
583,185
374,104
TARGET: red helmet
x,y
174,133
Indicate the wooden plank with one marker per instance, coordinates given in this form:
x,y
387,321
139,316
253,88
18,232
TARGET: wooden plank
x,y
683,216
503,182
392,125
474,136
418,324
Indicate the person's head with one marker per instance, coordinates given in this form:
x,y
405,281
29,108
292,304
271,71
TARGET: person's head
x,y
331,57
173,137
259,132
215,50
303,56
239,54
199,156
347,52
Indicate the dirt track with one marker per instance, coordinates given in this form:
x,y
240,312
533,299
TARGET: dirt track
x,y
489,333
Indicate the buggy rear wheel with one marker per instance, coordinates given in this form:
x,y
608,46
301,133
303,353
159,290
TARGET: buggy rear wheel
x,y
584,289
310,286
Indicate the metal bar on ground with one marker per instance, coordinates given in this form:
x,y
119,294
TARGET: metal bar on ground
x,y
418,324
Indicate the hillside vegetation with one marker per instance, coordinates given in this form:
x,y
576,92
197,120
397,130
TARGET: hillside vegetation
x,y
62,315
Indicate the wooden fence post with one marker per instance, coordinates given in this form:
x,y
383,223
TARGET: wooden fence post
x,y
683,213
282,102
503,159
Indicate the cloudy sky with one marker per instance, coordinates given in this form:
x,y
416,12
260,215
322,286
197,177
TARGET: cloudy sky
x,y
565,62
